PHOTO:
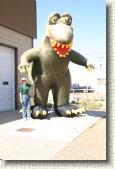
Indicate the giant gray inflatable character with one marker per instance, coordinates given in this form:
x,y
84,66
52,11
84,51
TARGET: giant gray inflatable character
x,y
50,67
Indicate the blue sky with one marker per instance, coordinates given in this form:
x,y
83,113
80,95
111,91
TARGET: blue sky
x,y
89,24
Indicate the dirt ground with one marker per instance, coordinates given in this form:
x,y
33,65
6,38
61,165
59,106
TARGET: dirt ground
x,y
91,145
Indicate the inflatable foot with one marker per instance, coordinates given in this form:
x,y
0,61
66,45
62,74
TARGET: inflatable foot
x,y
67,110
39,112
70,110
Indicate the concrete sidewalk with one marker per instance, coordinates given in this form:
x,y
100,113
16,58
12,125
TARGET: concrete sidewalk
x,y
42,139
90,145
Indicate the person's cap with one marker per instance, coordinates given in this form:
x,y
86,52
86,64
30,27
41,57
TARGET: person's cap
x,y
23,79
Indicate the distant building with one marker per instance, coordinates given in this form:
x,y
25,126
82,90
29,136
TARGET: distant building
x,y
101,74
101,81
17,30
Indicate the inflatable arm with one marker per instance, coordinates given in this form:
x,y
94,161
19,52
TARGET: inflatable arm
x,y
27,57
77,58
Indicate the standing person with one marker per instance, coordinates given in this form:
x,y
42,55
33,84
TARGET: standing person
x,y
25,99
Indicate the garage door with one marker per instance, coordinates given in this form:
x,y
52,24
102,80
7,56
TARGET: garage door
x,y
7,87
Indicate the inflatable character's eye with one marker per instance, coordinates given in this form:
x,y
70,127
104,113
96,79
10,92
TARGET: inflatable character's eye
x,y
54,19
67,20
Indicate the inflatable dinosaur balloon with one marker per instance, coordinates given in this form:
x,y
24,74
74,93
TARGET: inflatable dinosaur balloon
x,y
50,67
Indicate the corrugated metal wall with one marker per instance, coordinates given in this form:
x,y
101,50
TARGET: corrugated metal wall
x,y
19,15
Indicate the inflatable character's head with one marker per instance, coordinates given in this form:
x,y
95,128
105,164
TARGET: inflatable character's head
x,y
60,33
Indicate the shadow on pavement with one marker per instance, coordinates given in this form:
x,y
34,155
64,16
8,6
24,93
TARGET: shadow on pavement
x,y
93,113
9,116
96,113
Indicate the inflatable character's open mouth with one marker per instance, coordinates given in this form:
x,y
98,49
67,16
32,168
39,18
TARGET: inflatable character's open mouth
x,y
61,49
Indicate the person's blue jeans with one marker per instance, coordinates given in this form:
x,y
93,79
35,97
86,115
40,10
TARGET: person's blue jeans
x,y
26,106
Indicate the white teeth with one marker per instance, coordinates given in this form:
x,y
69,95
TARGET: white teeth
x,y
58,53
52,40
52,44
55,42
58,44
62,46
67,46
